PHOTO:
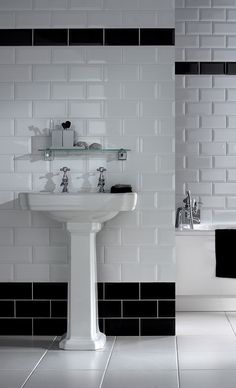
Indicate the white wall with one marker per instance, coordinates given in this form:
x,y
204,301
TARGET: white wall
x,y
122,97
206,108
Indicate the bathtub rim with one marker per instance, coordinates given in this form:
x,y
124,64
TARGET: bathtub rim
x,y
203,229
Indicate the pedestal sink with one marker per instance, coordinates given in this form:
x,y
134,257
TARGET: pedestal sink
x,y
83,214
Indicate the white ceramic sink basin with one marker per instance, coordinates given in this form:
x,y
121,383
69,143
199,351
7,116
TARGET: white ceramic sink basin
x,y
79,207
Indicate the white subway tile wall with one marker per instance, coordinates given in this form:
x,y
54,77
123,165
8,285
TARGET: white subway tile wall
x,y
117,96
206,120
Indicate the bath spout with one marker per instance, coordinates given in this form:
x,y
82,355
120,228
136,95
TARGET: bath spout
x,y
179,216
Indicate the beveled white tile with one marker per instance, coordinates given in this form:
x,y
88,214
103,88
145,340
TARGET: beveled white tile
x,y
104,19
33,55
197,323
140,379
72,19
33,19
65,378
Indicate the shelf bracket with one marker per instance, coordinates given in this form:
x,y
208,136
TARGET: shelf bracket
x,y
48,155
122,154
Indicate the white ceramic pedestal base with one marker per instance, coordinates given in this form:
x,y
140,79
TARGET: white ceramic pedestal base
x,y
82,327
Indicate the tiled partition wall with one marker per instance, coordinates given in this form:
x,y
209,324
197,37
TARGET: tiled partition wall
x,y
123,308
206,106
116,94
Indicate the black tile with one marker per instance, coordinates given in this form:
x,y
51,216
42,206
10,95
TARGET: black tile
x,y
86,36
157,36
121,37
109,309
100,290
15,290
49,291
121,326
212,68
231,68
101,325
15,326
6,309
59,308
33,309
16,37
186,68
157,290
157,327
49,326
121,290
50,37
166,308
140,309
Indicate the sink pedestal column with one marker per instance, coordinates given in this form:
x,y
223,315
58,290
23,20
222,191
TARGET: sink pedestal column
x,y
82,327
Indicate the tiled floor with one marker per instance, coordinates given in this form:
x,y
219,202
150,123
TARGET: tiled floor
x,y
203,355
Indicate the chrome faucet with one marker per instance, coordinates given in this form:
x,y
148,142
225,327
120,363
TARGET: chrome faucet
x,y
189,213
65,179
189,208
101,180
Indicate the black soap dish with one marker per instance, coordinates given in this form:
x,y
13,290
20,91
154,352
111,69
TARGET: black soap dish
x,y
121,188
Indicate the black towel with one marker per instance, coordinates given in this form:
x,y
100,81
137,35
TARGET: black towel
x,y
225,249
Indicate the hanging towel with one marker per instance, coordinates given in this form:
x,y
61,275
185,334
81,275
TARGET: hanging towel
x,y
225,250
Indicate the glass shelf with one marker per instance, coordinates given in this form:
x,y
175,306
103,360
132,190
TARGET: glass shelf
x,y
50,152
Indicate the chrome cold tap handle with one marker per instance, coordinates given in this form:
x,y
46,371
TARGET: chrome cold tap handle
x,y
101,169
65,179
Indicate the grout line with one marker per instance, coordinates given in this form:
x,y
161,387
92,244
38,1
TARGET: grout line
x,y
107,364
177,360
229,322
35,367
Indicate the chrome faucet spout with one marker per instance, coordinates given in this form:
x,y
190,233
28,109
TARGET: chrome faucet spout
x,y
101,180
179,216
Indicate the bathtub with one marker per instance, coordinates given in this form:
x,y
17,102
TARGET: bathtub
x,y
197,287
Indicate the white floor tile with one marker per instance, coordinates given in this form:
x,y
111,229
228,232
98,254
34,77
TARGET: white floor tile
x,y
145,344
13,379
19,360
142,361
25,344
207,379
198,323
65,379
140,379
232,318
204,343
78,360
207,360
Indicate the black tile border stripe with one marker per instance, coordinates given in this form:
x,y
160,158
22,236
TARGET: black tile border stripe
x,y
207,68
124,308
88,36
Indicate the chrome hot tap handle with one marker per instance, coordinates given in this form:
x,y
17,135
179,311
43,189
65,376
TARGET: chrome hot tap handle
x,y
65,169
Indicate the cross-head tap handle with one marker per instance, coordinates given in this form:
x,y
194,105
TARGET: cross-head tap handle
x,y
101,169
64,169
